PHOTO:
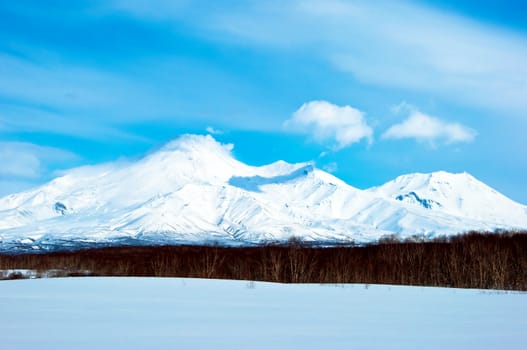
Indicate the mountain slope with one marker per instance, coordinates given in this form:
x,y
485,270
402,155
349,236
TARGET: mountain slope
x,y
193,190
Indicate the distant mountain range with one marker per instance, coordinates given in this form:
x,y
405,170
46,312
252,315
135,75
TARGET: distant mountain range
x,y
194,191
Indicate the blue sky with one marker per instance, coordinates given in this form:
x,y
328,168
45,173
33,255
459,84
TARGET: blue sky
x,y
367,90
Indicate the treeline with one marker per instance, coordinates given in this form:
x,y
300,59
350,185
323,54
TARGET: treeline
x,y
474,260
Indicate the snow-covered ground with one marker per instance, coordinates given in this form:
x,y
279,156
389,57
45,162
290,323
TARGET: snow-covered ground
x,y
152,313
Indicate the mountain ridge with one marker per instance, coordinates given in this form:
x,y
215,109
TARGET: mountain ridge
x,y
193,190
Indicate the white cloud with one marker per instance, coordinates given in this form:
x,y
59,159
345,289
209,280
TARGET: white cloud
x,y
22,160
403,107
213,131
325,122
423,127
330,167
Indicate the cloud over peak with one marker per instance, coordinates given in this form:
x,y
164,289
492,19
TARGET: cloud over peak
x,y
327,123
27,160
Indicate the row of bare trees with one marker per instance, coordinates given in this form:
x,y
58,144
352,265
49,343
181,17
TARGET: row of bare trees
x,y
475,260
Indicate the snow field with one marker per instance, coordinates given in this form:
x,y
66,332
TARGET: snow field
x,y
149,313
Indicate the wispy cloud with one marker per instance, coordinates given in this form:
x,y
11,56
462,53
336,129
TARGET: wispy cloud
x,y
50,83
45,95
397,44
21,160
383,43
66,97
213,131
340,126
426,128
160,10
330,167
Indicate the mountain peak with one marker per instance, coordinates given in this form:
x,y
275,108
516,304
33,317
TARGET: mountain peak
x,y
444,175
192,158
436,184
440,175
459,194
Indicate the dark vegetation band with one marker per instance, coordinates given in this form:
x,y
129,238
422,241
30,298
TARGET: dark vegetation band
x,y
474,260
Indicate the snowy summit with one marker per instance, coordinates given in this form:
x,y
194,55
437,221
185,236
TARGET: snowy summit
x,y
194,191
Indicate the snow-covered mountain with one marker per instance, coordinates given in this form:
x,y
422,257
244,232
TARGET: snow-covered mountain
x,y
194,191
455,194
